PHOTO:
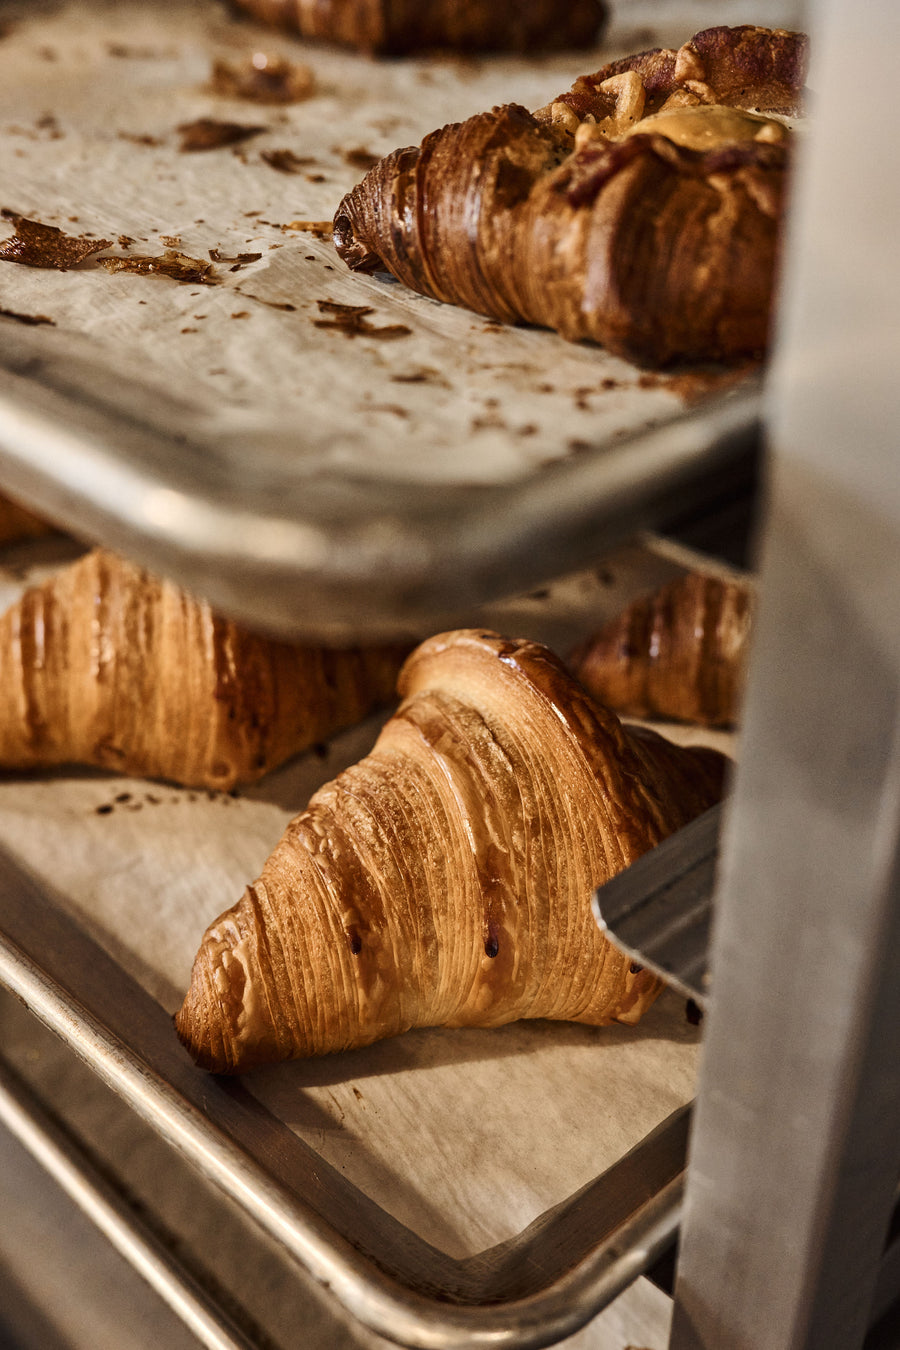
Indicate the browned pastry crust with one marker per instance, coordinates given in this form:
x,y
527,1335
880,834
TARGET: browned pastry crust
x,y
107,665
679,653
445,879
574,218
17,522
395,27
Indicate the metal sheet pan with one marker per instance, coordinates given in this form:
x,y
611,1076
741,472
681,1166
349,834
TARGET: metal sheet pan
x,y
231,433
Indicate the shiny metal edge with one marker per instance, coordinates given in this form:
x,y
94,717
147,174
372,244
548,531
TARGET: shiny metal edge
x,y
659,910
337,557
383,1304
69,1166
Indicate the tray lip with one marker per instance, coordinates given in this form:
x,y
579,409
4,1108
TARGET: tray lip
x,y
429,1318
342,557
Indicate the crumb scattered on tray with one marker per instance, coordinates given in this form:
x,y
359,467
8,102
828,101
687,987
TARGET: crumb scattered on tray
x,y
322,228
207,133
353,321
172,264
285,161
37,245
359,157
31,319
238,260
263,78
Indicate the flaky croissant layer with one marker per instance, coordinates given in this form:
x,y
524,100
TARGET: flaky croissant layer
x,y
446,878
107,665
679,653
657,245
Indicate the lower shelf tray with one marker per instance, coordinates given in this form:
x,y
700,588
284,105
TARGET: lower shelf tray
x,y
530,1291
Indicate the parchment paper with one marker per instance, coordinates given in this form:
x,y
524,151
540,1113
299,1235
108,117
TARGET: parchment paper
x,y
90,102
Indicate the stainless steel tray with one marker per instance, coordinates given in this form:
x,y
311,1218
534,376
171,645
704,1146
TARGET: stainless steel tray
x,y
229,433
531,1291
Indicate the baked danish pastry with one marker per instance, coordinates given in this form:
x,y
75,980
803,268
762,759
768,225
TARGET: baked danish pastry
x,y
446,878
396,27
641,210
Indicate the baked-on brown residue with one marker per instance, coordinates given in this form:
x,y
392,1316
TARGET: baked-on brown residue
x,y
263,78
320,228
37,245
353,321
359,158
286,161
172,264
31,319
207,133
238,260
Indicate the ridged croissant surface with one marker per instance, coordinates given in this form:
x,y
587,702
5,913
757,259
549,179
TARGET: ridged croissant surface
x,y
678,653
400,26
641,210
107,665
446,878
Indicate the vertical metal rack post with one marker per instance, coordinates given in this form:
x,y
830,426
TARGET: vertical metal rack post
x,y
796,1146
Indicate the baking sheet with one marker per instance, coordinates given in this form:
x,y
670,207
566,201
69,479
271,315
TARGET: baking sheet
x,y
241,430
463,1138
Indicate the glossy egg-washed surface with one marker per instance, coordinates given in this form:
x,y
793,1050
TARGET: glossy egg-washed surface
x,y
446,878
107,665
657,250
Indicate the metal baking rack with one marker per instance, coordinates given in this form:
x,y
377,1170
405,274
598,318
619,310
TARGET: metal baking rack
x,y
793,1160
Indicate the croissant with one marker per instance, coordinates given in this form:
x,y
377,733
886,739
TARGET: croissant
x,y
109,666
445,879
17,522
678,653
394,27
641,210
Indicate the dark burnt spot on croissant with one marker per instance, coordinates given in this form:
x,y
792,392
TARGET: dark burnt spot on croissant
x,y
355,941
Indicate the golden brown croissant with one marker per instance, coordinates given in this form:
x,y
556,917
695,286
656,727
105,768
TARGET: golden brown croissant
x,y
400,26
678,653
446,878
17,522
107,665
642,210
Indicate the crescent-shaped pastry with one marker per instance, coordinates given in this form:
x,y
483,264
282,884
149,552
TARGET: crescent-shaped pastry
x,y
108,665
641,210
446,878
679,653
397,27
